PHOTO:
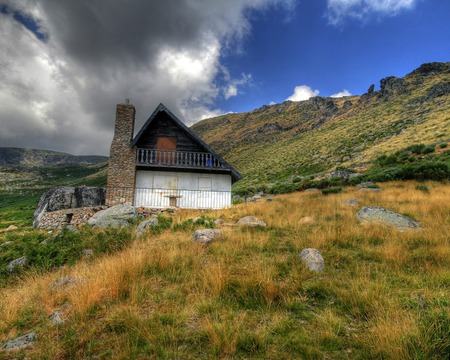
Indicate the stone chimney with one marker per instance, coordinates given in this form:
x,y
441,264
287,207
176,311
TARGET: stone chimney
x,y
122,159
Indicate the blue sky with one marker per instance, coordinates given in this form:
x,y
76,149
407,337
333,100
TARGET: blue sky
x,y
66,64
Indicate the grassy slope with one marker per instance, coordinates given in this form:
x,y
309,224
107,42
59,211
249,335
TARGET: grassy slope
x,y
263,155
384,294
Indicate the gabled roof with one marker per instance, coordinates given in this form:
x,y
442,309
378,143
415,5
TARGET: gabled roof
x,y
161,108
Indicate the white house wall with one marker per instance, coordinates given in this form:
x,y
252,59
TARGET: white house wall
x,y
156,189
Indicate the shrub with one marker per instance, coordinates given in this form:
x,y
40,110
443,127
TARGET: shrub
x,y
423,188
443,146
416,148
428,149
332,190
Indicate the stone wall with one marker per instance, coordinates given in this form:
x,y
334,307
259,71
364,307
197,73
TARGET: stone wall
x,y
61,218
122,159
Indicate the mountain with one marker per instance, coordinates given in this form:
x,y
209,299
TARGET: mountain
x,y
277,142
19,158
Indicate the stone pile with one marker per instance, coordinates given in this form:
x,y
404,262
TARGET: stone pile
x,y
62,218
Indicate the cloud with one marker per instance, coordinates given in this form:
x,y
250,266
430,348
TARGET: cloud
x,y
59,89
338,10
303,92
341,94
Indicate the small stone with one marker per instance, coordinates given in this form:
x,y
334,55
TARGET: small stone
x,y
269,199
57,318
145,225
11,227
88,253
366,184
21,342
370,189
313,259
219,222
17,263
64,282
306,220
205,236
352,202
250,221
197,219
6,243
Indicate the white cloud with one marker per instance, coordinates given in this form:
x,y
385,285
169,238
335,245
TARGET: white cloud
x,y
341,94
61,93
272,103
303,92
338,10
232,89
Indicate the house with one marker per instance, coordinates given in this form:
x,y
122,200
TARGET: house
x,y
166,164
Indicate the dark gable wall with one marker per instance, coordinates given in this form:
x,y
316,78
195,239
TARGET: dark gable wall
x,y
163,125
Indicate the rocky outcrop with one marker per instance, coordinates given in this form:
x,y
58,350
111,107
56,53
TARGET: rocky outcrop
x,y
115,217
430,69
392,87
206,236
68,197
313,259
375,214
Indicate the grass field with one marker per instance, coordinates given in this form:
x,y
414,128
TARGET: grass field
x,y
384,294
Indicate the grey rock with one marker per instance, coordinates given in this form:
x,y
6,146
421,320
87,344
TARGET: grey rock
x,y
250,199
347,105
313,259
115,217
366,184
17,263
352,202
21,342
206,236
68,197
371,89
312,190
344,174
250,221
64,282
6,243
269,198
218,222
377,214
57,318
88,253
370,189
145,225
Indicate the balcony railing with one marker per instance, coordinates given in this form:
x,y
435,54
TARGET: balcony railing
x,y
177,159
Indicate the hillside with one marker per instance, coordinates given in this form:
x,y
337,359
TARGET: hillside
x,y
275,143
19,158
384,294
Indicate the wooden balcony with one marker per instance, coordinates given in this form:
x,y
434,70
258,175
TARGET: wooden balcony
x,y
177,159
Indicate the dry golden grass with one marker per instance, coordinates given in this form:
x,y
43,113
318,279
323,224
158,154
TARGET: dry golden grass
x,y
248,295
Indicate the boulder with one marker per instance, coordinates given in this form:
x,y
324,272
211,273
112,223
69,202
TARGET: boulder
x,y
63,282
21,342
68,197
205,236
250,221
17,263
145,225
115,217
377,214
313,259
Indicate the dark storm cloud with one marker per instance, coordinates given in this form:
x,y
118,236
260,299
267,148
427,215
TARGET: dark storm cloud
x,y
61,93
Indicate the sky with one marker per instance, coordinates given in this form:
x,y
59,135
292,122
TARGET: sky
x,y
64,65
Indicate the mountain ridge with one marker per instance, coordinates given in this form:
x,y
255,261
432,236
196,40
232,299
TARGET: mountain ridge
x,y
25,159
277,142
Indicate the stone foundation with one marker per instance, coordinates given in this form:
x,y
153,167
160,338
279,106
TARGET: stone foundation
x,y
62,218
